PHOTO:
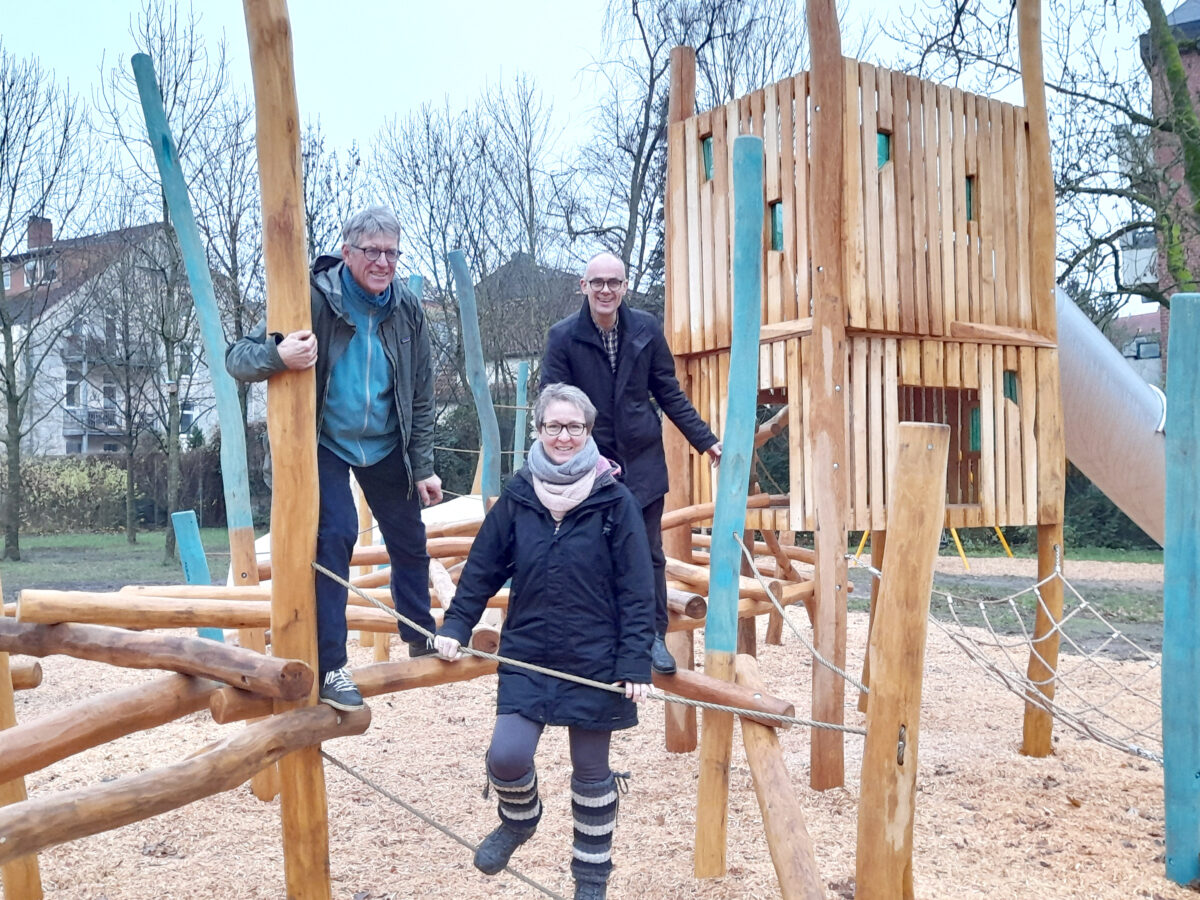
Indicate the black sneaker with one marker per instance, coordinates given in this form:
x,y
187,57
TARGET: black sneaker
x,y
339,691
419,648
661,660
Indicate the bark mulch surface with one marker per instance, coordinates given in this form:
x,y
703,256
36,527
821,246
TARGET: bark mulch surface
x,y
1086,822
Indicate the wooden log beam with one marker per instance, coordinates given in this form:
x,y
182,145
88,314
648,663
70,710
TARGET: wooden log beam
x,y
800,554
20,877
888,793
783,819
686,603
26,674
99,719
281,678
700,578
376,554
44,822
700,512
230,705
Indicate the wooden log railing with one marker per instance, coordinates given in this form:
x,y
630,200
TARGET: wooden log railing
x,y
44,822
229,705
31,746
280,678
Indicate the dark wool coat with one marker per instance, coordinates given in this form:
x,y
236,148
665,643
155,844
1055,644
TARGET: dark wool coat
x,y
581,601
628,428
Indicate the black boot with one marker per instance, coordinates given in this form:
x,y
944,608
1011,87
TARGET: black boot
x,y
661,659
520,810
594,809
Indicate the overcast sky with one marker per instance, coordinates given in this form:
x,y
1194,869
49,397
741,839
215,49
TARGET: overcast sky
x,y
356,63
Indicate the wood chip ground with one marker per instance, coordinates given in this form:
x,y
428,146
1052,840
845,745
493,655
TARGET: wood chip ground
x,y
990,823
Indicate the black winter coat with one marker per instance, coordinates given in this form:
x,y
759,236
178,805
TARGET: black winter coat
x,y
581,601
628,428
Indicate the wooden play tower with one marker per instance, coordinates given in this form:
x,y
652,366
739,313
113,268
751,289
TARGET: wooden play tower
x,y
908,236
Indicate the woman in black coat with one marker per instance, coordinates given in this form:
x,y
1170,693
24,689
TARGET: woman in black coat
x,y
571,539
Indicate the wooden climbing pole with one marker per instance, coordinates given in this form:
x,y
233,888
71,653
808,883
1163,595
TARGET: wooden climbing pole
x,y
729,519
828,401
291,424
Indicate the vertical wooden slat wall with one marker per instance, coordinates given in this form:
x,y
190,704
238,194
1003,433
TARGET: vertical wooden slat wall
x,y
937,218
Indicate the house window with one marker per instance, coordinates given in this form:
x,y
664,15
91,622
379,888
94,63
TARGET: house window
x,y
187,358
187,415
110,391
74,445
110,327
1149,350
74,377
111,447
8,278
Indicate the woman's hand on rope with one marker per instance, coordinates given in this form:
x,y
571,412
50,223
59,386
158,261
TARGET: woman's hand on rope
x,y
447,647
636,691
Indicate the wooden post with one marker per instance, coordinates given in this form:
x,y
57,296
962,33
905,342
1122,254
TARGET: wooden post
x,y
234,475
828,420
878,548
25,675
720,631
783,818
20,878
1051,442
1181,582
677,544
489,428
520,416
291,424
887,799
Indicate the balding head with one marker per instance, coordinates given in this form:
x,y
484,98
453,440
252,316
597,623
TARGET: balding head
x,y
603,283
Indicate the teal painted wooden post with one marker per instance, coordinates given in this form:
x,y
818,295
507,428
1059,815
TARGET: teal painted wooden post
x,y
729,518
1181,587
489,428
191,555
229,412
520,438
416,284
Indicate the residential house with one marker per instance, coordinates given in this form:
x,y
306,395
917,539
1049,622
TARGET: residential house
x,y
83,325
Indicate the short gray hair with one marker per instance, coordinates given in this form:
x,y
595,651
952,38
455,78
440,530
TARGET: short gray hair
x,y
372,220
567,393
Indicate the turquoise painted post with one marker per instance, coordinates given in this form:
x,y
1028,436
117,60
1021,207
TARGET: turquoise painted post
x,y
729,518
489,428
1181,586
229,412
520,438
191,555
416,284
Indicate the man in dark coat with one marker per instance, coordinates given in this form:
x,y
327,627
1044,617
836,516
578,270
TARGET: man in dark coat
x,y
619,357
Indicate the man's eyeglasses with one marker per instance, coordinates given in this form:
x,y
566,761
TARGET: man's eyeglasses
x,y
599,284
554,429
373,253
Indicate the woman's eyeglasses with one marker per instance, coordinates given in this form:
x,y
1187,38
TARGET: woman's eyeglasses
x,y
574,429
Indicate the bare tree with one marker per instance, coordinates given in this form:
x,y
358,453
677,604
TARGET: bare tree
x,y
335,184
45,170
193,86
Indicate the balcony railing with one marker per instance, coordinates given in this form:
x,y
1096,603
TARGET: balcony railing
x,y
81,421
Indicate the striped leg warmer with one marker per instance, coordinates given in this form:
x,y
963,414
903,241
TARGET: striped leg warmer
x,y
594,808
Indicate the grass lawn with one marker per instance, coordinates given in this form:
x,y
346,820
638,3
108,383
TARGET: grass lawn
x,y
103,561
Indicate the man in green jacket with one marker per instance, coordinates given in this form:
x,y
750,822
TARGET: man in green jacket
x,y
369,345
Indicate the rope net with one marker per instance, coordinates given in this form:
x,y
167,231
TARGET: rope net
x,y
1105,685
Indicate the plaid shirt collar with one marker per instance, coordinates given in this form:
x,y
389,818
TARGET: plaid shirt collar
x,y
609,341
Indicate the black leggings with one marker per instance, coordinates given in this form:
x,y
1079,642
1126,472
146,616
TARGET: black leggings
x,y
515,740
